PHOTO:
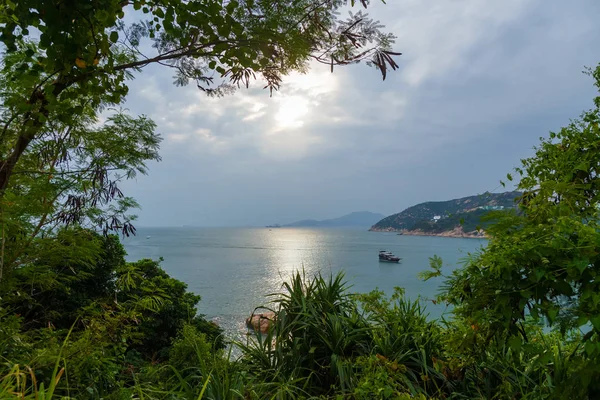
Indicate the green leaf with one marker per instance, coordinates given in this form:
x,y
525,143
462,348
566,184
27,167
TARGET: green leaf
x,y
563,288
591,348
515,343
224,30
426,275
230,8
595,322
538,273
114,36
581,321
552,312
168,25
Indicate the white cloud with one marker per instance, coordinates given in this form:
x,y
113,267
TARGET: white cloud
x,y
444,43
288,145
177,137
479,82
438,37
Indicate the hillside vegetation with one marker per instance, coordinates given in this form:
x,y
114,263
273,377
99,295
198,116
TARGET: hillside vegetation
x,y
467,221
466,212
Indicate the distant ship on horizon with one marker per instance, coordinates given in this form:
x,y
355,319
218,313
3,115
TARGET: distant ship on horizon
x,y
273,226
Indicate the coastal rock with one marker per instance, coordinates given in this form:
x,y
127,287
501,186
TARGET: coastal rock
x,y
386,229
261,322
457,232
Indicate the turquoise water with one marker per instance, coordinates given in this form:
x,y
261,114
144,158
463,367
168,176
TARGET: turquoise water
x,y
234,269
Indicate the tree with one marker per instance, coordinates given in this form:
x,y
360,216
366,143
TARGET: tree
x,y
86,51
166,307
84,275
84,305
79,268
543,262
70,171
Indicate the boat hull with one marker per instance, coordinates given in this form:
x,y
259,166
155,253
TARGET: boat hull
x,y
389,261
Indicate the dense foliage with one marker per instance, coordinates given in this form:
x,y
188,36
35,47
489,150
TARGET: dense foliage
x,y
325,343
328,343
95,313
542,262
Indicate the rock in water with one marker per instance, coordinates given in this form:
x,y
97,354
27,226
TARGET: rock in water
x,y
261,322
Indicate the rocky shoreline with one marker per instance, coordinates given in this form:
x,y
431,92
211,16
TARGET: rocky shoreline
x,y
457,232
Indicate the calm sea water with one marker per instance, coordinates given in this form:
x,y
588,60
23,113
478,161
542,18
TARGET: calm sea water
x,y
234,269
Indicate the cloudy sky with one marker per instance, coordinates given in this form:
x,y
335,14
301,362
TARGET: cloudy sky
x,y
479,82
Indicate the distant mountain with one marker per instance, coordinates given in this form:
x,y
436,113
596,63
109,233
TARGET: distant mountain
x,y
458,217
356,219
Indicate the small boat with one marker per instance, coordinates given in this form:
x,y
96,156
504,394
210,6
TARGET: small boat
x,y
147,237
386,256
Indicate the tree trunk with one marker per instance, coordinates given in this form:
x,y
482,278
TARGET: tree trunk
x,y
8,166
32,126
2,245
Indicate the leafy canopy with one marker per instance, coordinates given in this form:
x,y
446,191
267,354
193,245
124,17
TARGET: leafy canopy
x,y
82,42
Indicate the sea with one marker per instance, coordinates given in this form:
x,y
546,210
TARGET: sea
x,y
235,270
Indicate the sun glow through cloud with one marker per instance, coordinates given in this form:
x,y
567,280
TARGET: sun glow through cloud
x,y
291,111
463,109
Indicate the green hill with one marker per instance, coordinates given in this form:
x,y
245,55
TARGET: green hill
x,y
439,217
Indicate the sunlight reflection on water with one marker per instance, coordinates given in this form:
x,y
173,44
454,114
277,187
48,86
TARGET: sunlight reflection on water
x,y
234,269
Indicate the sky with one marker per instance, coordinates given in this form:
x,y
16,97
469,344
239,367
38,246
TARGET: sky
x,y
480,81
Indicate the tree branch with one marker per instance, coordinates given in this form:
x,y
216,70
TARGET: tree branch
x,y
168,56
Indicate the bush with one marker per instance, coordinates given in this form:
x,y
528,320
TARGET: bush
x,y
119,317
